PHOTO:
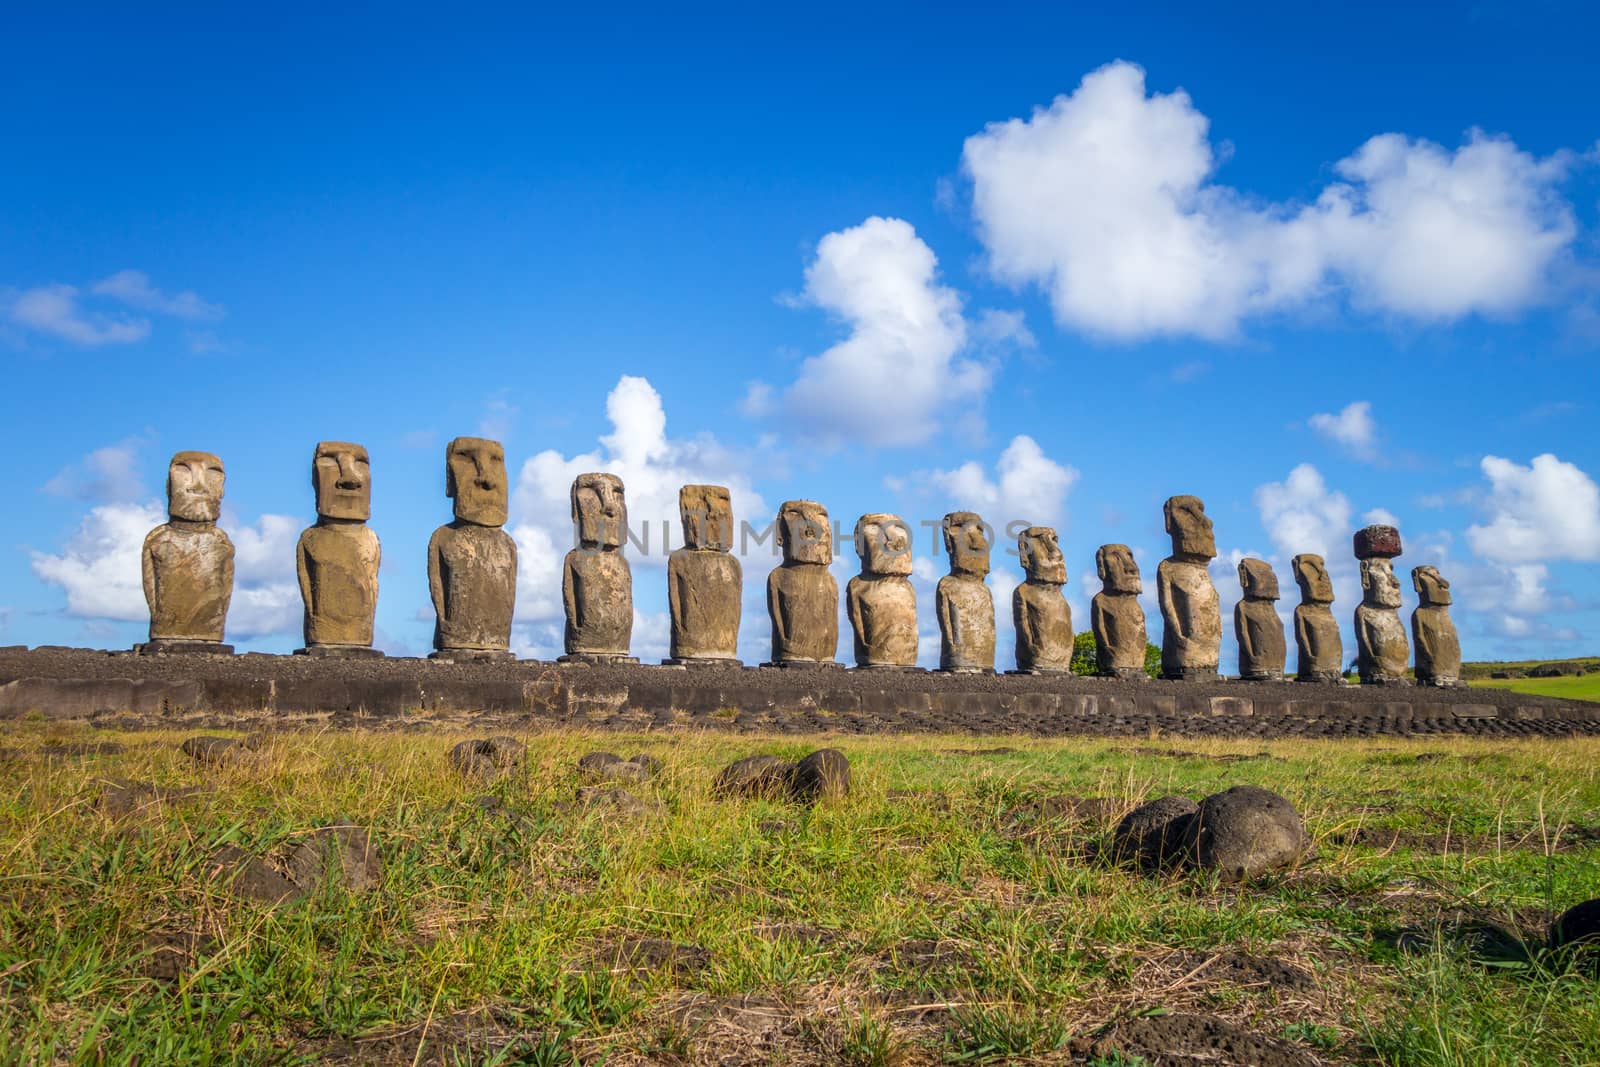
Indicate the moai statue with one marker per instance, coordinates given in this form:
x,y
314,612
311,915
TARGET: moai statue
x,y
1316,634
802,596
1262,647
1114,613
705,581
1039,612
1381,649
1438,647
472,562
1191,634
596,584
337,559
963,602
188,562
880,601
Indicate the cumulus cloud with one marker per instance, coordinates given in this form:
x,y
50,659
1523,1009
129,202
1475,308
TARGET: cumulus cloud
x,y
1026,486
901,366
54,310
99,568
1380,517
1548,510
1105,199
1301,514
132,287
108,474
1352,428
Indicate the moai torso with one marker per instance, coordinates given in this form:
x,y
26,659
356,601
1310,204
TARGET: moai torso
x,y
1318,643
188,581
1191,634
597,589
966,624
338,570
803,601
1116,616
1438,646
704,590
1043,622
883,614
1262,647
472,574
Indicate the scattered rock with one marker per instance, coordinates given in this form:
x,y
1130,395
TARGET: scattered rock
x,y
1182,1039
1244,831
651,765
609,767
612,801
1152,835
823,775
753,776
252,877
1244,970
123,796
488,757
212,751
170,954
344,855
1576,935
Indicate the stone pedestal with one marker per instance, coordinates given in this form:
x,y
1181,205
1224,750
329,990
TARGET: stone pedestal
x,y
178,647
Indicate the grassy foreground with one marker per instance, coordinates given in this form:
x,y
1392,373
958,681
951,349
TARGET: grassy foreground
x,y
934,916
1568,687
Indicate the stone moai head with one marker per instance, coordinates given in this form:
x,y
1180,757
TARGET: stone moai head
x,y
1118,572
1041,555
475,478
1192,537
707,515
1257,580
194,487
1432,590
1311,574
599,510
342,476
884,544
967,541
1379,586
804,532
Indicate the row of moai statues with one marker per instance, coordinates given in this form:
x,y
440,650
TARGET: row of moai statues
x,y
472,568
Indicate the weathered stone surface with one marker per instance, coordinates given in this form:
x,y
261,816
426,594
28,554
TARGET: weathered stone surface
x,y
596,583
1191,634
822,775
1377,542
1115,615
1245,831
187,562
337,559
609,767
612,801
1262,645
880,601
704,579
210,751
962,600
753,776
1316,631
1575,936
472,562
1039,612
1438,646
1151,836
488,757
802,596
1381,649
343,855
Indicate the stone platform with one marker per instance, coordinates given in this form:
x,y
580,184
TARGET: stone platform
x,y
253,689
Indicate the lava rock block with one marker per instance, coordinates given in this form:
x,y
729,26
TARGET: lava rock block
x,y
823,775
1245,831
488,757
1575,935
1152,835
1377,542
754,776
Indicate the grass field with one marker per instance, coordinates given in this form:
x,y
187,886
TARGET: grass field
x,y
1580,687
935,915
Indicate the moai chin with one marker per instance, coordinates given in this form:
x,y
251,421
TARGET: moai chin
x,y
705,581
1191,614
1039,612
1316,632
472,562
596,583
802,595
187,562
963,602
1438,646
1262,646
880,601
1381,649
337,558
1116,616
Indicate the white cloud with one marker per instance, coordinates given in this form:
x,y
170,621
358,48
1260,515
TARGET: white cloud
x,y
901,367
132,287
1353,428
1380,517
266,591
1027,486
106,474
1105,200
1301,514
1548,510
54,310
99,569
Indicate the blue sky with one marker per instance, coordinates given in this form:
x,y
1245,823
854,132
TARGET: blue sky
x,y
1052,266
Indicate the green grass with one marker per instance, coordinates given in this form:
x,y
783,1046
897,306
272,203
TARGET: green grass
x,y
922,920
1568,687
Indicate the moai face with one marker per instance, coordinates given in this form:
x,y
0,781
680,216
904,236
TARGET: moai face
x,y
1118,572
1041,555
1312,576
1257,580
1379,586
475,478
599,510
884,544
968,544
342,477
707,515
194,487
1432,590
804,533
1192,538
